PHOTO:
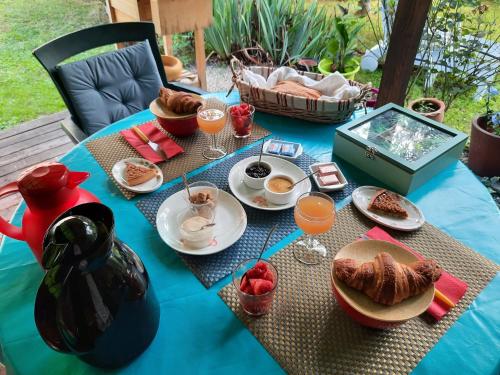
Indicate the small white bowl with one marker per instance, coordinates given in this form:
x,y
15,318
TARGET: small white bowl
x,y
278,198
256,183
195,239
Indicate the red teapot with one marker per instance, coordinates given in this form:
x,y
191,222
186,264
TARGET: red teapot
x,y
49,189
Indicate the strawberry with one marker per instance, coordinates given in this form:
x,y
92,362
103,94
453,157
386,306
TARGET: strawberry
x,y
269,276
261,265
245,286
261,286
239,122
244,106
257,271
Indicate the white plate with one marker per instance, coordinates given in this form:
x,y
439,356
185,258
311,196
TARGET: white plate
x,y
343,181
299,152
279,166
230,223
118,172
362,196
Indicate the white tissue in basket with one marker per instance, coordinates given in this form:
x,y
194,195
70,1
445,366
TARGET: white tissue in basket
x,y
333,87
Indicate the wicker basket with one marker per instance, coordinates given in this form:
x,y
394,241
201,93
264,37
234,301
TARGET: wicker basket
x,y
282,104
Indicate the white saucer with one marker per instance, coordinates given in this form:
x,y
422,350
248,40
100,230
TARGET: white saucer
x,y
118,173
279,166
362,196
230,223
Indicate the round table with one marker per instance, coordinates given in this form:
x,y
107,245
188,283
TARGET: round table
x,y
198,333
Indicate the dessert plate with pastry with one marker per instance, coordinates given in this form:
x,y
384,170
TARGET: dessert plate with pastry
x,y
137,175
273,185
388,208
199,229
382,285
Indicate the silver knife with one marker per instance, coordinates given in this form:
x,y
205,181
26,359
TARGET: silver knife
x,y
154,146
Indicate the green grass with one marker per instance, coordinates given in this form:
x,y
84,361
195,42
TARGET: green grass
x,y
26,91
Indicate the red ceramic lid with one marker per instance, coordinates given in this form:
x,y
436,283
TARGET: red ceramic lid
x,y
43,178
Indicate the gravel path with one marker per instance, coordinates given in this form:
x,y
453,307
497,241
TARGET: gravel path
x,y
219,77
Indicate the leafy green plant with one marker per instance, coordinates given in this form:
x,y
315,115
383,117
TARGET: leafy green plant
x,y
342,46
491,117
425,106
275,31
232,27
457,46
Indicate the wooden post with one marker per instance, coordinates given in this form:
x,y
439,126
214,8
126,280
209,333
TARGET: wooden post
x,y
407,30
199,50
178,16
168,44
128,11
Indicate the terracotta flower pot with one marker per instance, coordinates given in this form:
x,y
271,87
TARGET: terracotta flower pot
x,y
307,64
437,115
484,151
172,66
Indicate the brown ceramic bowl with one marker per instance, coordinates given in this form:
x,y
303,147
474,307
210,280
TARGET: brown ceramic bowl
x,y
178,125
359,306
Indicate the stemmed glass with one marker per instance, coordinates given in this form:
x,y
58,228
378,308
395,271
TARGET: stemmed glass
x,y
211,121
315,214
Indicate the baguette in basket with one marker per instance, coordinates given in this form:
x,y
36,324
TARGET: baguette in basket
x,y
336,104
295,88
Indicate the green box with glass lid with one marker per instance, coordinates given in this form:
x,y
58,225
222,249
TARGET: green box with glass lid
x,y
398,146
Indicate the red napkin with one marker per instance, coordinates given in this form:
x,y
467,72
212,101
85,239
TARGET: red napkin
x,y
451,286
169,147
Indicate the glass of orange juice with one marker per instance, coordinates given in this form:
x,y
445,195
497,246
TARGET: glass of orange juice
x,y
211,121
314,214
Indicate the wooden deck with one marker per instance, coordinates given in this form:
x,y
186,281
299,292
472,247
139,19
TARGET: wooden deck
x,y
28,144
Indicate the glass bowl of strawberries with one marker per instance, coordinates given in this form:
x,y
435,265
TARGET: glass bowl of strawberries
x,y
255,282
241,116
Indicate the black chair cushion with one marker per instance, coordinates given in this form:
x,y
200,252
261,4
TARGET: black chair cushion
x,y
108,87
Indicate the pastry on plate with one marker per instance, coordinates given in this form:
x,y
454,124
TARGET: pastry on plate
x,y
385,280
179,102
386,203
138,174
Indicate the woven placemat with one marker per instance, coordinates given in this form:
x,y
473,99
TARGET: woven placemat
x,y
211,268
112,148
308,333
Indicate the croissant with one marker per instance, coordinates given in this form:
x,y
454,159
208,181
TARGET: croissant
x,y
294,88
179,102
386,281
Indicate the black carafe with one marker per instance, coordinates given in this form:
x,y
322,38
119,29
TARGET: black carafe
x,y
96,300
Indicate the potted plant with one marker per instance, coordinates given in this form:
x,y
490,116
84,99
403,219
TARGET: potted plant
x,y
372,97
484,149
429,107
173,67
341,48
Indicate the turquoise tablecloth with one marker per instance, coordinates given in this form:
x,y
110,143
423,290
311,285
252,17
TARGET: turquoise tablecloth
x,y
198,333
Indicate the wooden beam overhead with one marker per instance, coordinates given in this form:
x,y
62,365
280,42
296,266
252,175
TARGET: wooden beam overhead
x,y
407,30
